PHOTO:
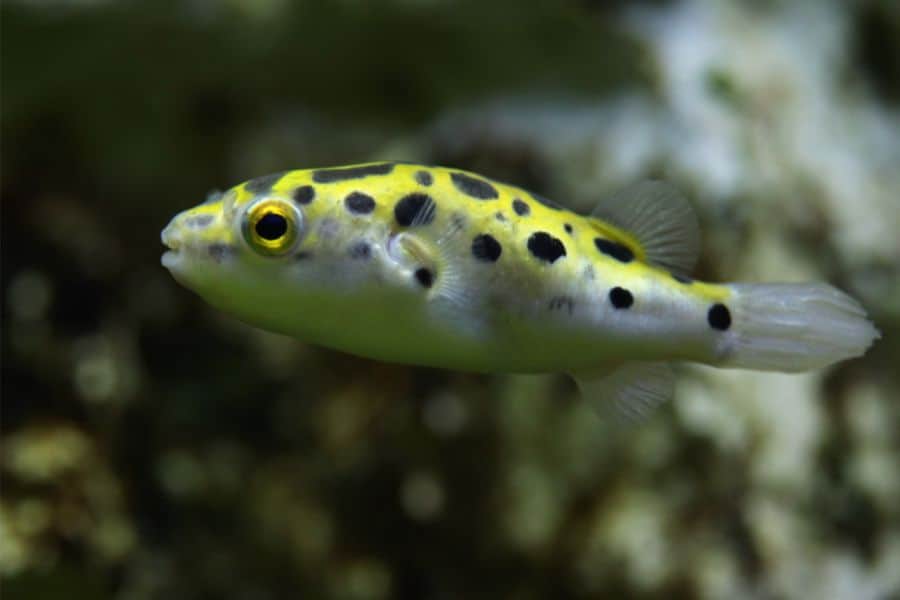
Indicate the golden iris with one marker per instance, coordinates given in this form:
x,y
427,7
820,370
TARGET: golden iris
x,y
272,227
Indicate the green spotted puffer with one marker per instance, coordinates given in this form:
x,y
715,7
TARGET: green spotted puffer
x,y
437,266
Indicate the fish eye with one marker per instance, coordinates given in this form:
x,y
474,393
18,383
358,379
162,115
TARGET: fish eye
x,y
272,227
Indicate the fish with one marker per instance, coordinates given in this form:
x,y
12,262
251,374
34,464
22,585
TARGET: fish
x,y
442,267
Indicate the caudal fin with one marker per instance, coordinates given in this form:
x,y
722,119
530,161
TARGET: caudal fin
x,y
795,327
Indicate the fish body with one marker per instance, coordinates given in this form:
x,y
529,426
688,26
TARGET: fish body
x,y
441,267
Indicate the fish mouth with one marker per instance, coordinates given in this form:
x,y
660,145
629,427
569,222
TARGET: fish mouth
x,y
171,257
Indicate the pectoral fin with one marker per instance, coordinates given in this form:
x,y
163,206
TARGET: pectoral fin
x,y
429,267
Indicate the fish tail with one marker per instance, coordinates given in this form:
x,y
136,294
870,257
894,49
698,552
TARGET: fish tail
x,y
794,327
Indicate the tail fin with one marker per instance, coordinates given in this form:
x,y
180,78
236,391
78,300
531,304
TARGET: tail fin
x,y
795,327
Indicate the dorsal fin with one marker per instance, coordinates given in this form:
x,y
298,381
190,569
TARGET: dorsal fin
x,y
661,220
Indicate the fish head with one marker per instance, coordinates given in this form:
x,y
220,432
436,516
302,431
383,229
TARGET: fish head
x,y
240,251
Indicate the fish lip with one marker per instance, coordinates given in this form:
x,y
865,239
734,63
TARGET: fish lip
x,y
170,259
169,239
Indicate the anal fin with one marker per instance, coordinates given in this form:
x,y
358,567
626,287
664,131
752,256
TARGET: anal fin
x,y
628,392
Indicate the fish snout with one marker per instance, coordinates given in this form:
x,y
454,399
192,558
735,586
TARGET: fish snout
x,y
170,235
194,234
172,238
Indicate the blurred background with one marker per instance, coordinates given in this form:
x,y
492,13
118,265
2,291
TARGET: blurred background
x,y
152,447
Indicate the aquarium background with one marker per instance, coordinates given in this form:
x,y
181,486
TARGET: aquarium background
x,y
154,448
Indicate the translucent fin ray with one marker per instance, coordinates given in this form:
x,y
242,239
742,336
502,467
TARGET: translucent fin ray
x,y
794,327
662,221
425,214
629,392
449,291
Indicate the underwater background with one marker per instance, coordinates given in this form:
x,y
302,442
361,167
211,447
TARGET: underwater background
x,y
154,448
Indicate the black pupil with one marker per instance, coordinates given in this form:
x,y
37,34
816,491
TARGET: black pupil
x,y
271,227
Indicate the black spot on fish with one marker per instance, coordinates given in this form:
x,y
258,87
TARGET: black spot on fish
x,y
424,178
360,250
415,208
474,187
304,194
545,247
620,297
521,208
220,252
262,185
345,173
500,216
199,222
486,248
359,203
616,250
682,278
302,255
424,277
562,303
568,228
719,317
547,203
